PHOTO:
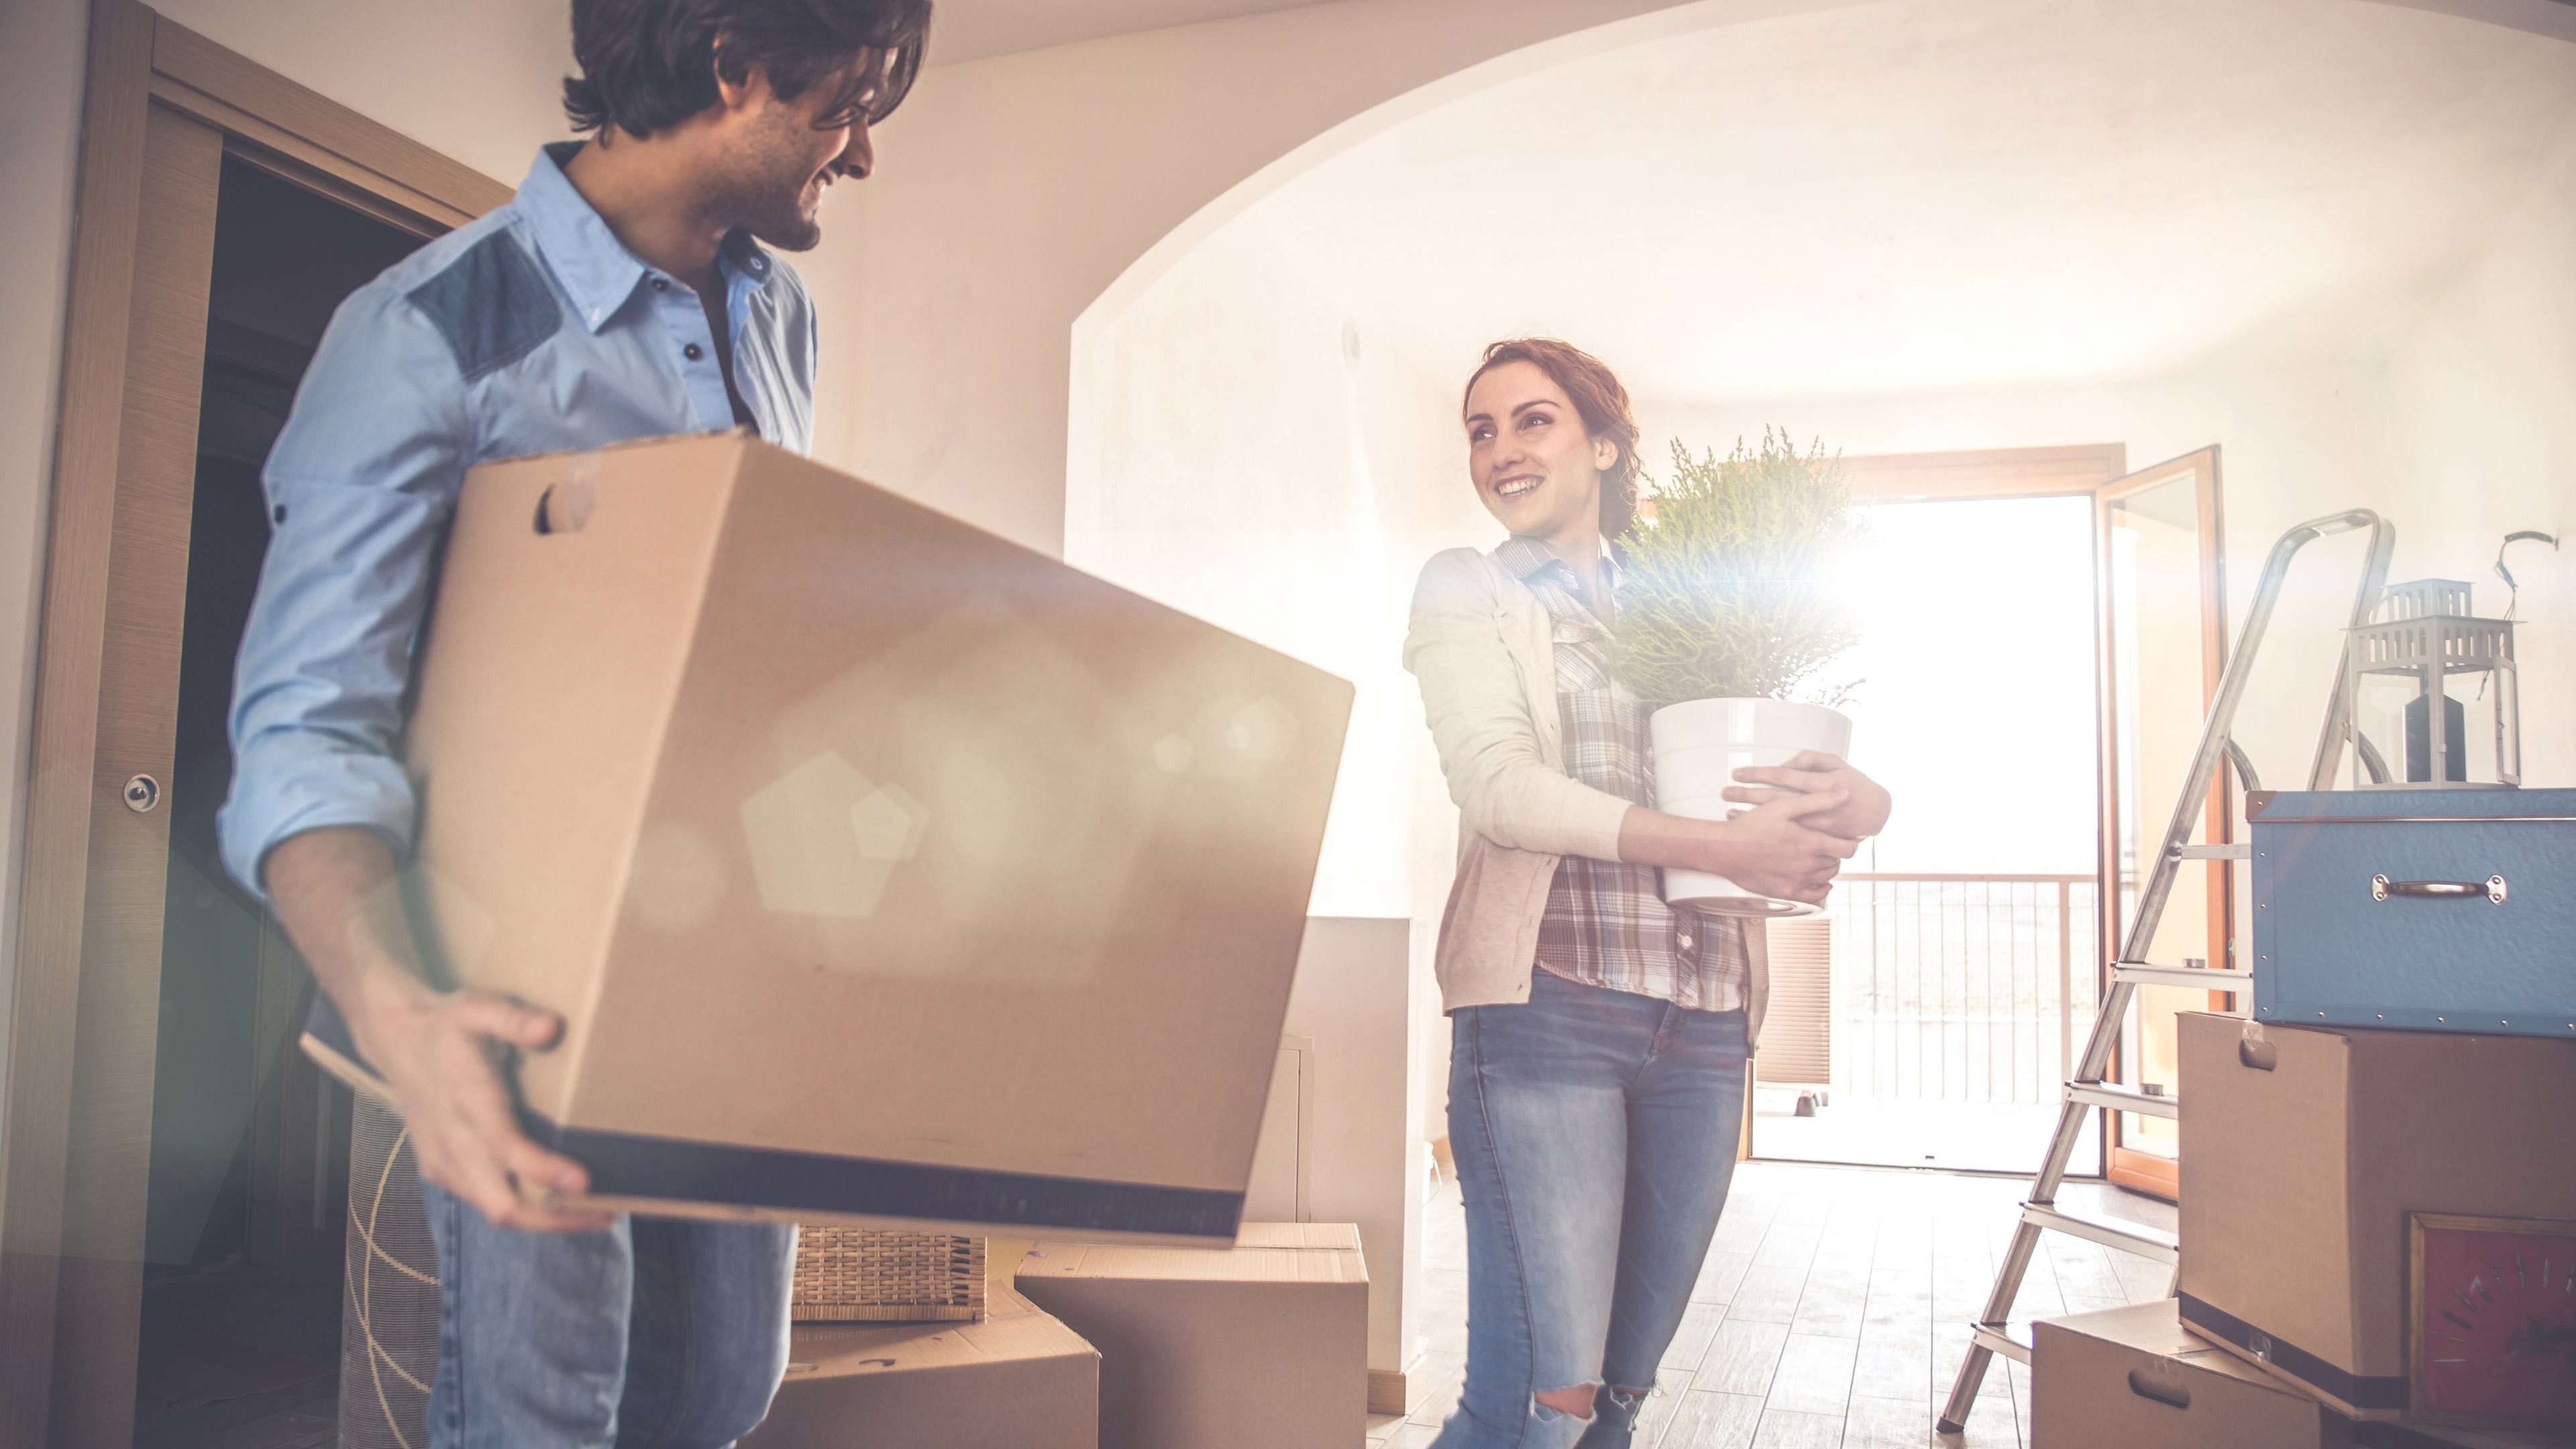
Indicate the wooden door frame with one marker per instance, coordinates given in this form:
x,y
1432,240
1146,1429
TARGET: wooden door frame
x,y
143,74
2129,1167
1961,477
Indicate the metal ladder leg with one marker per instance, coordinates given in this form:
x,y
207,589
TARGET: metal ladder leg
x,y
2086,1092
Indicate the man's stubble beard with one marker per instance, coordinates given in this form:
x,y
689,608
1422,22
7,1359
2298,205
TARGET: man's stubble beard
x,y
762,191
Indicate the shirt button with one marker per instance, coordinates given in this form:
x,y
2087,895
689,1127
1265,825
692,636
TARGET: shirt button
x,y
1685,943
693,352
660,285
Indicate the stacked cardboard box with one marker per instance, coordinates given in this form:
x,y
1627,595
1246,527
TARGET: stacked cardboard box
x,y
1017,1379
2136,1378
2307,1151
1262,1346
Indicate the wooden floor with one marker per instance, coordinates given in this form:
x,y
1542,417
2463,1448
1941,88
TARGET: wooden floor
x,y
237,1358
1830,1312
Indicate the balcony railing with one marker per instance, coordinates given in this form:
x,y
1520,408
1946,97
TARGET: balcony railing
x,y
1961,988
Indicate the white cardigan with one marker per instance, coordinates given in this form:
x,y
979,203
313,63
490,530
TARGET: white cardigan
x,y
1484,649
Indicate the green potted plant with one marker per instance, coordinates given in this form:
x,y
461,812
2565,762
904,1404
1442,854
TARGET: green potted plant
x,y
1731,604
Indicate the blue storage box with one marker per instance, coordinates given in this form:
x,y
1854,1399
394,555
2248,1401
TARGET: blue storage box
x,y
2450,910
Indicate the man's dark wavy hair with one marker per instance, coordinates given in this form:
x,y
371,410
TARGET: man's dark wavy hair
x,y
647,65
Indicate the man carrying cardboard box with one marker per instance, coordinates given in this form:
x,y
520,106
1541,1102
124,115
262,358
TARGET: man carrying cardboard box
x,y
624,294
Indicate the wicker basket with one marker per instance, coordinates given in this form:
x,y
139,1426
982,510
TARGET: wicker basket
x,y
857,1275
389,1315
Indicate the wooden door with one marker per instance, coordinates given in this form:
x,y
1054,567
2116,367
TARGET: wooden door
x,y
2162,614
163,107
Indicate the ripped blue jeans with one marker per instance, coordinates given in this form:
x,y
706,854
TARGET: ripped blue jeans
x,y
1595,1135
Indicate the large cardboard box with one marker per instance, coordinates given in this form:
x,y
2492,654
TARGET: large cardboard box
x,y
2304,1149
1263,1346
2132,1378
2135,1378
883,870
1018,1379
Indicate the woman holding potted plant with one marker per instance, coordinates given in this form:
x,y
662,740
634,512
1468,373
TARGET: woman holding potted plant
x,y
1599,1036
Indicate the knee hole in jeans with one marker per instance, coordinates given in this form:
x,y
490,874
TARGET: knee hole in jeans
x,y
1574,1402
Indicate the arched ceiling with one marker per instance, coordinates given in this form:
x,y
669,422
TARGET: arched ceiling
x,y
965,30
1944,194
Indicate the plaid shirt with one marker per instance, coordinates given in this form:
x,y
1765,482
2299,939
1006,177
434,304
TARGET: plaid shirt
x,y
1606,922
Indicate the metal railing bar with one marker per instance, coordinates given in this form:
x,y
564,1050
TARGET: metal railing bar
x,y
1958,879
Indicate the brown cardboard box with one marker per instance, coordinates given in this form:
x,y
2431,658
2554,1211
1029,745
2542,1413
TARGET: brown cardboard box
x,y
882,870
2304,1148
1264,1346
2135,1378
1016,1380
2132,1378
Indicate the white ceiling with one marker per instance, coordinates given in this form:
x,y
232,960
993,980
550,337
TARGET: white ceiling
x,y
1947,193
963,30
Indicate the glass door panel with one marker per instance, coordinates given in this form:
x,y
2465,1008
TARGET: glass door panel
x,y
2162,617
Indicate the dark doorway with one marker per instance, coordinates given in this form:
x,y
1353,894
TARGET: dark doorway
x,y
249,1168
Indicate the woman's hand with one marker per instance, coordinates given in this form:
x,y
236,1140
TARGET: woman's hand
x,y
1770,850
1865,803
1777,849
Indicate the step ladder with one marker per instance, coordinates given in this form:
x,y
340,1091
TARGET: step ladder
x,y
2087,1092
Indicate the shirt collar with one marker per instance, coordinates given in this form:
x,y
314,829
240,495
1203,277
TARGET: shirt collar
x,y
594,266
1526,557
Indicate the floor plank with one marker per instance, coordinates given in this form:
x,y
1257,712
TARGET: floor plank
x,y
1832,1310
1815,1375
1710,1421
1784,1430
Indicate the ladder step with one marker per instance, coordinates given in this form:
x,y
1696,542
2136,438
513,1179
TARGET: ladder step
x,y
2124,1099
2119,1233
1999,1338
2197,978
2216,852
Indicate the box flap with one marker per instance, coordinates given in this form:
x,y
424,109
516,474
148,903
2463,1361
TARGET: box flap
x,y
2134,1378
1345,1236
1266,1253
1012,1330
2155,1329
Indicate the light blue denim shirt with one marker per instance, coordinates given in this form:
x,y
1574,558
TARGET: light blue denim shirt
x,y
531,330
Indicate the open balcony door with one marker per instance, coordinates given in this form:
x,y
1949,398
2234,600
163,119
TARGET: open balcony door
x,y
2162,612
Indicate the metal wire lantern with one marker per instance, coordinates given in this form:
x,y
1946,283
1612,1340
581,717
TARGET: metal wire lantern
x,y
2429,694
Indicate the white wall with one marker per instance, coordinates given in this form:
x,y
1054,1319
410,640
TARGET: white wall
x,y
2484,385
1226,455
1014,191
1250,457
1354,999
42,47
2459,427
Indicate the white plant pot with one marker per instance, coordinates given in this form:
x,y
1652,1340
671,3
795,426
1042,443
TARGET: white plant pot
x,y
1699,745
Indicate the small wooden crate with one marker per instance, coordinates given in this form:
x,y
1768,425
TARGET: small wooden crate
x,y
860,1275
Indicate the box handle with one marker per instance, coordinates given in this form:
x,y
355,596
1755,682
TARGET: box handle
x,y
2381,888
2254,1048
2147,1388
565,507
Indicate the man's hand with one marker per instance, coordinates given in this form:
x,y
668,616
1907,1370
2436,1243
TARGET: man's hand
x,y
1865,805
441,1053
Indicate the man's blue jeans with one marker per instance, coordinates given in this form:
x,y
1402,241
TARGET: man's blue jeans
x,y
1595,1134
654,1334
